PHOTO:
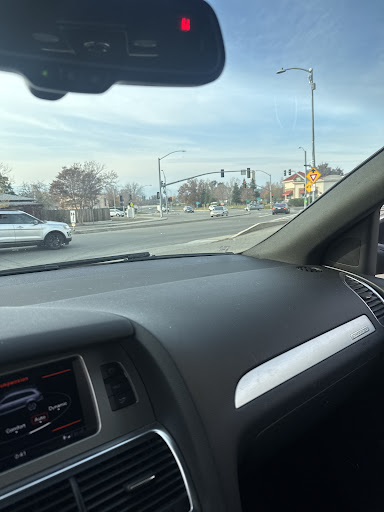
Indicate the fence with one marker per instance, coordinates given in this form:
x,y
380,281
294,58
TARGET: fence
x,y
86,215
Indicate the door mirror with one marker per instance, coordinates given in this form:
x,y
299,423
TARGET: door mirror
x,y
36,222
87,46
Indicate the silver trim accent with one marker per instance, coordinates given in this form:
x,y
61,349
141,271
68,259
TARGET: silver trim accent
x,y
280,369
161,433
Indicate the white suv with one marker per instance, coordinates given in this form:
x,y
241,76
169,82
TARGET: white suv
x,y
19,228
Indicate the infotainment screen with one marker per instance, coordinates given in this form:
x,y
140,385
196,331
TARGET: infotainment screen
x,y
42,409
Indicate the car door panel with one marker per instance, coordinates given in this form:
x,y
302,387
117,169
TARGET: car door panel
x,y
25,229
7,231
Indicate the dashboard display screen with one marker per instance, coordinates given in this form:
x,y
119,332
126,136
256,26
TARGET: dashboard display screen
x,y
42,410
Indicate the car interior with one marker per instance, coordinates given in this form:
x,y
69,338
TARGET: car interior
x,y
199,398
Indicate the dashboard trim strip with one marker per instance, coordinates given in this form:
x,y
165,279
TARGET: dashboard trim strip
x,y
160,432
280,369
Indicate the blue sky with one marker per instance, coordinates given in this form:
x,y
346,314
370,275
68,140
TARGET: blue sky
x,y
249,117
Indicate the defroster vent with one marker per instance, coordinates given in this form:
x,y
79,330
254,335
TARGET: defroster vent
x,y
370,296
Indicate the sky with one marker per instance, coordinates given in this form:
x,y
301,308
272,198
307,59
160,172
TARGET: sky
x,y
249,117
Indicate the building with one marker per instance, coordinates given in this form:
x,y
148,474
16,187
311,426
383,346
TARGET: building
x,y
25,204
294,185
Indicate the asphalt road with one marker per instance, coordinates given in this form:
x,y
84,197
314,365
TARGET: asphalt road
x,y
176,231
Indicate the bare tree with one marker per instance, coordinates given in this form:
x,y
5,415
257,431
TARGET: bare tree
x,y
132,191
5,179
39,191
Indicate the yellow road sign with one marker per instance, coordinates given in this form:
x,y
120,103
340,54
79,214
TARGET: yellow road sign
x,y
308,187
313,175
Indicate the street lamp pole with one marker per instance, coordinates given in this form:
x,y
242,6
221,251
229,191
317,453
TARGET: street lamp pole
x,y
165,192
305,177
270,185
313,87
160,184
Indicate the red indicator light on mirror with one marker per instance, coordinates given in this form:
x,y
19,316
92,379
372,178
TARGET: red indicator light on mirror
x,y
185,24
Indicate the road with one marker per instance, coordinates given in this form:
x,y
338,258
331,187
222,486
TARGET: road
x,y
166,236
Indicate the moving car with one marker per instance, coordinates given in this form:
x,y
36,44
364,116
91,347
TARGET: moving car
x,y
209,369
219,211
23,398
188,209
256,206
115,212
18,228
280,208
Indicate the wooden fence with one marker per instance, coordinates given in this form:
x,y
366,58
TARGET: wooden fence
x,y
86,215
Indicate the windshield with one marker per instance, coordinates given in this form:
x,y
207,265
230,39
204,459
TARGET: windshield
x,y
142,154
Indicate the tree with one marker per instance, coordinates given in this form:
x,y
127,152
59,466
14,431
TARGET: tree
x,y
220,192
326,170
132,191
188,192
247,194
39,191
236,193
111,179
79,185
5,180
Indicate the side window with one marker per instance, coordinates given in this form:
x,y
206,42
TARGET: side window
x,y
6,219
22,218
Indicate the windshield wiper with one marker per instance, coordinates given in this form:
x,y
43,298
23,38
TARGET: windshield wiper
x,y
76,263
121,258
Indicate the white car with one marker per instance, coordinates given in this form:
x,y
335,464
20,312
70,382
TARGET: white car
x,y
18,228
115,212
219,211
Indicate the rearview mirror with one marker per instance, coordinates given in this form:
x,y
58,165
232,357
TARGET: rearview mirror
x,y
88,45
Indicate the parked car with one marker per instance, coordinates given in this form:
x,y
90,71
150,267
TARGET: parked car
x,y
188,209
115,212
219,211
19,399
256,206
280,208
18,228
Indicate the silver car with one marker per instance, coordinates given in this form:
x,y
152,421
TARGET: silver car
x,y
219,211
19,399
18,228
257,206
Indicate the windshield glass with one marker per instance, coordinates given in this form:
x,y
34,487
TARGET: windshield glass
x,y
142,154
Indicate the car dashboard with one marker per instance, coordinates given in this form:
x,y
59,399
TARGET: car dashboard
x,y
153,380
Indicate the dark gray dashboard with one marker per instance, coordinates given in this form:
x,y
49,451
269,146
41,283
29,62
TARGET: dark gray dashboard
x,y
187,331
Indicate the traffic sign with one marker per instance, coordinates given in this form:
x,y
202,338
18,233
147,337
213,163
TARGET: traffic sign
x,y
313,175
308,187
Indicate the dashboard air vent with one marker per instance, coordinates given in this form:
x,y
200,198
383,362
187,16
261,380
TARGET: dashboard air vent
x,y
140,475
373,300
56,498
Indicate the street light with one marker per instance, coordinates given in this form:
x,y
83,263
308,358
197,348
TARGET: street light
x,y
313,87
160,184
305,176
165,191
270,185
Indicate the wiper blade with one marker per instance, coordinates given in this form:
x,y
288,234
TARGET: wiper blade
x,y
76,263
121,258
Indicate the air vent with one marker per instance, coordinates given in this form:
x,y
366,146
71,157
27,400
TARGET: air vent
x,y
140,475
306,268
56,498
372,299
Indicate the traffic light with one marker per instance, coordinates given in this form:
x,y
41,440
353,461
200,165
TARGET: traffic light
x,y
285,172
158,195
248,172
244,184
289,172
169,199
222,173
